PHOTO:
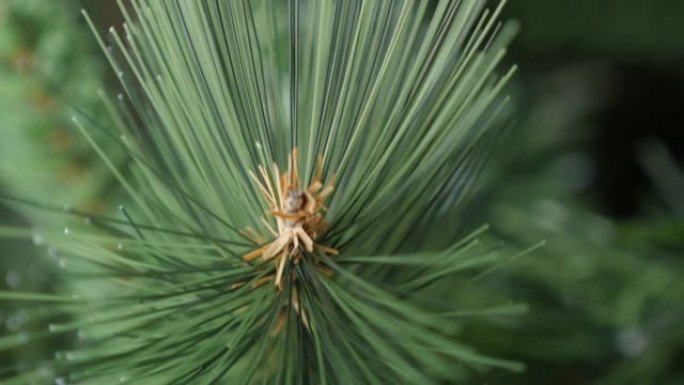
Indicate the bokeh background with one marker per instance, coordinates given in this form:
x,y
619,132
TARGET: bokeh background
x,y
591,163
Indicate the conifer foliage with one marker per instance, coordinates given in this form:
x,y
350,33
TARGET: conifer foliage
x,y
290,162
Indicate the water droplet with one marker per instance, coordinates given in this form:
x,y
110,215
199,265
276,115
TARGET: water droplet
x,y
66,231
121,207
52,328
67,207
60,381
120,97
45,372
88,221
52,252
123,379
551,215
632,341
13,279
14,321
119,246
37,239
81,334
62,263
23,337
112,30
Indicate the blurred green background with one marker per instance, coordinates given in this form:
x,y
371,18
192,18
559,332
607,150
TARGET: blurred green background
x,y
591,164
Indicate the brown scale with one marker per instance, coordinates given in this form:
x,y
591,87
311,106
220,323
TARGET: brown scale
x,y
298,213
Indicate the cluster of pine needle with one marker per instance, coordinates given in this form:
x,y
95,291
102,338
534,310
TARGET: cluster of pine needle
x,y
290,192
295,181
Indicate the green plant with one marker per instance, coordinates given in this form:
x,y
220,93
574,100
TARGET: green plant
x,y
209,275
604,293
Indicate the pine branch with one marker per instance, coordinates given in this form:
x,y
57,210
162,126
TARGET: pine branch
x,y
266,138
